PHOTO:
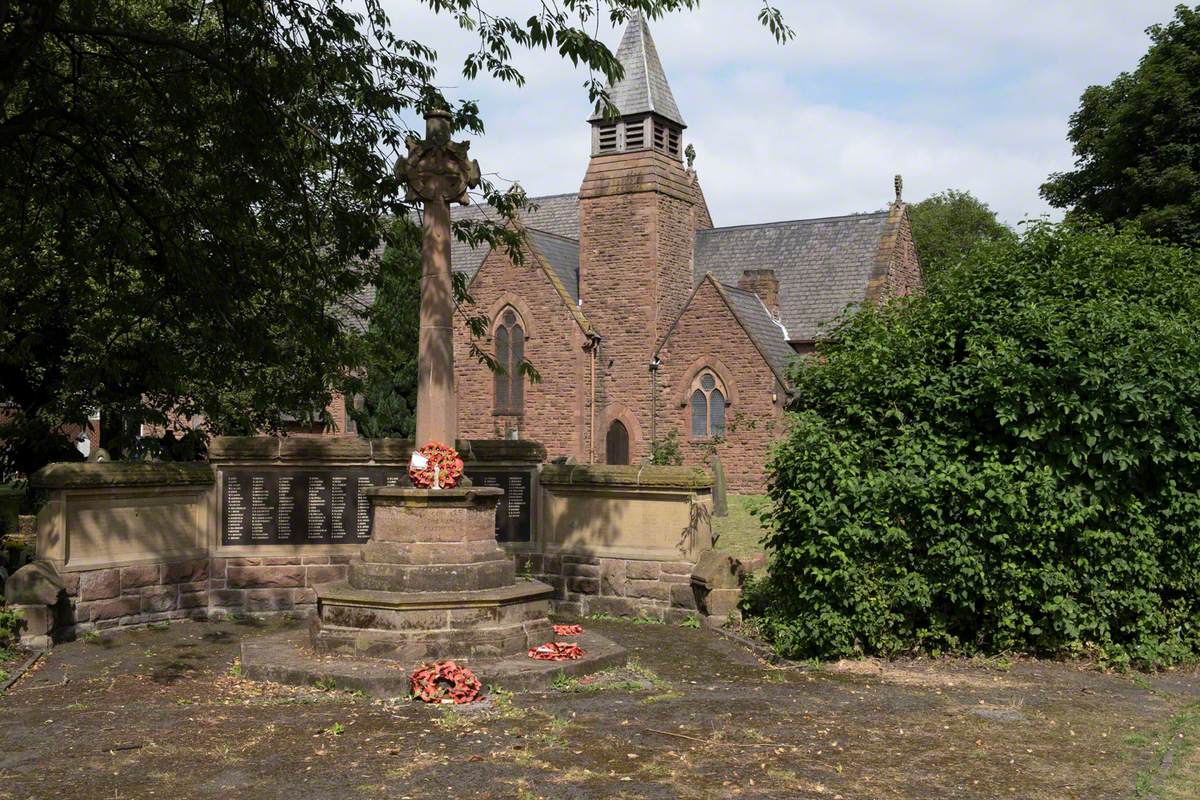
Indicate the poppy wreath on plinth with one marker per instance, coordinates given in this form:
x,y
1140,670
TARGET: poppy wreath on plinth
x,y
449,467
445,682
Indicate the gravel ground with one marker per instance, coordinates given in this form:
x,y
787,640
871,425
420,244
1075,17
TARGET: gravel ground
x,y
164,713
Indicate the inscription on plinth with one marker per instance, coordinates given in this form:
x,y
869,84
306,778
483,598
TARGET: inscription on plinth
x,y
270,505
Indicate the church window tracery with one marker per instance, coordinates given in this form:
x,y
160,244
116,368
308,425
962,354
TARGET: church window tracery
x,y
510,352
707,406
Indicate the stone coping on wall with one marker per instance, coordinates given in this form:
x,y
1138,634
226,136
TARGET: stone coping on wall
x,y
460,497
646,476
72,475
353,449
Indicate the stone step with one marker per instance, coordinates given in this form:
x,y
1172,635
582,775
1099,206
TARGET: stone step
x,y
342,593
432,619
431,577
420,524
417,646
414,553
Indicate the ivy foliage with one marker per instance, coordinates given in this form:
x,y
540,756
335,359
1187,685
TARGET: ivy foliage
x,y
1009,462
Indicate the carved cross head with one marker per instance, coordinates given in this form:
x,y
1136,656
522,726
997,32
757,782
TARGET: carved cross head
x,y
435,167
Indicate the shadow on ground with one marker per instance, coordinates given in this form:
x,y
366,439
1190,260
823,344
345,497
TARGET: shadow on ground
x,y
164,713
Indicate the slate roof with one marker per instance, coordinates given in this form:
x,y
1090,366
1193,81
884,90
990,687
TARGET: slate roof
x,y
644,85
768,335
823,265
556,214
764,331
562,254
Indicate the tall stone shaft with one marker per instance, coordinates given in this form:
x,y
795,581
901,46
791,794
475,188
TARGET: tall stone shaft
x,y
436,411
437,172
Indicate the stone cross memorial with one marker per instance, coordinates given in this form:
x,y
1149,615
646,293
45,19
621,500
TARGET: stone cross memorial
x,y
437,172
433,582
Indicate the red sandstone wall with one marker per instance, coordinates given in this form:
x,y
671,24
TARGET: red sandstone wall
x,y
708,331
556,410
619,291
676,245
905,277
637,227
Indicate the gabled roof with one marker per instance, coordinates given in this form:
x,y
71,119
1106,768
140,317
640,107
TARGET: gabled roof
x,y
823,265
767,335
644,85
562,256
558,257
556,214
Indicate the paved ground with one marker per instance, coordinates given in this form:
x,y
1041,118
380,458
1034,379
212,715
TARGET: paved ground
x,y
162,713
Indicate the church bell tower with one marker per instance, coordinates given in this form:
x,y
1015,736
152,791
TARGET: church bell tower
x,y
639,210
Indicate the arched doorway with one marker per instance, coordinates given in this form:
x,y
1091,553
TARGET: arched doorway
x,y
616,443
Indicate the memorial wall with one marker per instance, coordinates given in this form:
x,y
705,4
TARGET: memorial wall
x,y
268,519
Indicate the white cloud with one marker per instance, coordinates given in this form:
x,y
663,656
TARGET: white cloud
x,y
969,95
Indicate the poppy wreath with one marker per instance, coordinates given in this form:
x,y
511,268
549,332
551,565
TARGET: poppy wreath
x,y
445,682
568,630
557,651
448,462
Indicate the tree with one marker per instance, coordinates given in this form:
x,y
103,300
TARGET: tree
x,y
1137,140
190,190
1010,461
947,225
388,385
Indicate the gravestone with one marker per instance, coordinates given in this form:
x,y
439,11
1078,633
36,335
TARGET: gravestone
x,y
720,502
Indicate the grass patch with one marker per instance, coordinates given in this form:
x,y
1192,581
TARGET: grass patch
x,y
740,532
1174,773
633,677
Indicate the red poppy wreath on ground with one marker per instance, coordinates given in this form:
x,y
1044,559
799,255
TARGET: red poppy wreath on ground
x,y
445,682
449,467
557,651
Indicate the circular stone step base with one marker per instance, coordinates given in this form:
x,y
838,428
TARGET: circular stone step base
x,y
287,658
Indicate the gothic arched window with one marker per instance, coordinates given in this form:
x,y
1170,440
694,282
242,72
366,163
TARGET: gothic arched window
x,y
708,406
510,352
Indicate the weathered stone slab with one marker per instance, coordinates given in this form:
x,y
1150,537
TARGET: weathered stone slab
x,y
36,584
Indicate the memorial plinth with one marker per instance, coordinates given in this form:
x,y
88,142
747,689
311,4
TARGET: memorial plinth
x,y
432,583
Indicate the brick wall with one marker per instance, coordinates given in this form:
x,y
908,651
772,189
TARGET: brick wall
x,y
709,334
557,409
258,585
616,265
145,593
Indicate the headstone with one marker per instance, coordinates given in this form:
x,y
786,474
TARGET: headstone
x,y
720,502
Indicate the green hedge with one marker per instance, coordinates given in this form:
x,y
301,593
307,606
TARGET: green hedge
x,y
1011,462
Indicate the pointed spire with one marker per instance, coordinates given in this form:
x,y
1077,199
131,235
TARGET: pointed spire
x,y
644,87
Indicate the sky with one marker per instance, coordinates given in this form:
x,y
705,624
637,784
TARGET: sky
x,y
948,93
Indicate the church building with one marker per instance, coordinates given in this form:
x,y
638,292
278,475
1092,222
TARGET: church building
x,y
642,318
